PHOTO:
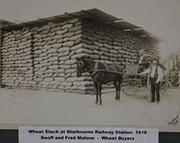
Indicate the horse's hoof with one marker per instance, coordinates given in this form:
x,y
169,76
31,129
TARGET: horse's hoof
x,y
117,99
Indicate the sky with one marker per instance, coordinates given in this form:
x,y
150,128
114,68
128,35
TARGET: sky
x,y
159,17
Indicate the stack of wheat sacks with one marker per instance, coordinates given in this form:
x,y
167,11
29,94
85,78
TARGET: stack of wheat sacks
x,y
112,45
44,56
16,59
55,48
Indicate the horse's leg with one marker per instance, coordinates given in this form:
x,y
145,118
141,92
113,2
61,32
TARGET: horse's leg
x,y
96,91
119,89
99,93
116,87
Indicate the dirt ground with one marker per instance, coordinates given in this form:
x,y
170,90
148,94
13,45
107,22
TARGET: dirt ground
x,y
47,108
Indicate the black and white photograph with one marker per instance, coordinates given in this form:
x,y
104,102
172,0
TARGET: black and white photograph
x,y
90,63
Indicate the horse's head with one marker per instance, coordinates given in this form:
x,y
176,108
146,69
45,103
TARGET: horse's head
x,y
80,67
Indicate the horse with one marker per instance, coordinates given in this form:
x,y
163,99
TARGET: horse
x,y
101,75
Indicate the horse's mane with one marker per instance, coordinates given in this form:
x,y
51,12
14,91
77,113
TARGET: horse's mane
x,y
86,58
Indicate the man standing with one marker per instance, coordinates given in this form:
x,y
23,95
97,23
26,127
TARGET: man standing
x,y
155,76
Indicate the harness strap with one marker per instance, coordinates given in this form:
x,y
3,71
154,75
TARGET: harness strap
x,y
106,66
95,70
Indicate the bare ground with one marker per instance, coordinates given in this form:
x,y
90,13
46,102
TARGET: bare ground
x,y
47,108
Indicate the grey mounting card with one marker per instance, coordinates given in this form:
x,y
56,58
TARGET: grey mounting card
x,y
90,64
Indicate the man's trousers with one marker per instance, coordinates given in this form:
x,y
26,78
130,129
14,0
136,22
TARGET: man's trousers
x,y
155,87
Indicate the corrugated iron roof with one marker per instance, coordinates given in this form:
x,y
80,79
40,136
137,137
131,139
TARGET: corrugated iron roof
x,y
5,22
94,14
